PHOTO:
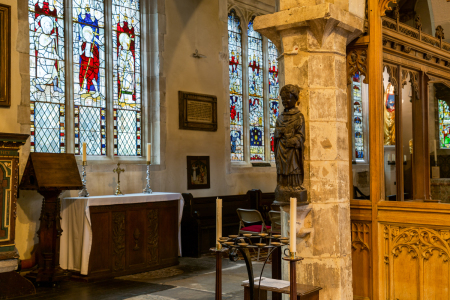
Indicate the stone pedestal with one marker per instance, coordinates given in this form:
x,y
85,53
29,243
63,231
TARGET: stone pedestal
x,y
312,41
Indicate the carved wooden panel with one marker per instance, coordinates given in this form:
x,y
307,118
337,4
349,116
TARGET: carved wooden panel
x,y
393,72
152,236
118,238
357,62
414,78
361,256
416,262
133,238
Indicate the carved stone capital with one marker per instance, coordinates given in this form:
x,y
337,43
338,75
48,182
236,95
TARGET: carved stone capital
x,y
322,20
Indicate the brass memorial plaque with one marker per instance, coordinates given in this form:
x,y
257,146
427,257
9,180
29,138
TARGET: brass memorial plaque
x,y
197,111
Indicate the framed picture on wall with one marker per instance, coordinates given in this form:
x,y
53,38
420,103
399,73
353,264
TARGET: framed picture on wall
x,y
5,55
198,172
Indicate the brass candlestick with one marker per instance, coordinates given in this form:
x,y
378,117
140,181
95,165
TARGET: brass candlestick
x,y
147,189
83,192
118,170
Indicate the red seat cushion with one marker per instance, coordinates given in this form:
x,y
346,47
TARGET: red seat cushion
x,y
254,228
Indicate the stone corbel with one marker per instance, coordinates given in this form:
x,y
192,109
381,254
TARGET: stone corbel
x,y
303,225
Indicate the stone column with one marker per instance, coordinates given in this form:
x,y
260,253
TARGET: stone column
x,y
312,40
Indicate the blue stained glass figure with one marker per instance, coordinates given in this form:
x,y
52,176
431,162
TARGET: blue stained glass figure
x,y
274,88
235,88
89,76
256,84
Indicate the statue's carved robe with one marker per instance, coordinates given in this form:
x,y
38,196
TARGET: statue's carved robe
x,y
289,148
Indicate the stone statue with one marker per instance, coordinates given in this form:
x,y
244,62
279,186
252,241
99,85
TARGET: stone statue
x,y
289,148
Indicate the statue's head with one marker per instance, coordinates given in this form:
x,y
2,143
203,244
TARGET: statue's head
x,y
289,95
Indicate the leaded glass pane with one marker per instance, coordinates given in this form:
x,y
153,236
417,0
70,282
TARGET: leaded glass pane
x,y
47,84
48,129
444,125
235,75
255,83
358,117
90,127
89,75
274,88
127,135
126,76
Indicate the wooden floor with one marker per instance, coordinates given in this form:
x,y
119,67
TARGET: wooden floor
x,y
193,279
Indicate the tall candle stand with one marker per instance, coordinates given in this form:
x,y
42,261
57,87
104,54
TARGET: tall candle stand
x,y
292,259
83,192
147,189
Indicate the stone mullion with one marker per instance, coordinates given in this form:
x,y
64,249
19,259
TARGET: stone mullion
x,y
245,93
266,100
109,90
69,90
145,71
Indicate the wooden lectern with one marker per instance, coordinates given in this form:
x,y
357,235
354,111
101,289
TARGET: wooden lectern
x,y
50,174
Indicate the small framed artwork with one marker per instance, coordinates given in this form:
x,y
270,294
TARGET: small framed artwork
x,y
5,55
198,172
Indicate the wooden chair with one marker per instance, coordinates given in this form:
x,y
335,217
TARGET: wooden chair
x,y
275,221
249,223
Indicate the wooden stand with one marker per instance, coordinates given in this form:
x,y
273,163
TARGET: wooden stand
x,y
293,275
50,174
219,255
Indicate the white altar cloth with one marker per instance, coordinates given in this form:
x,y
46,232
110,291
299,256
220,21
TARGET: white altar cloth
x,y
76,239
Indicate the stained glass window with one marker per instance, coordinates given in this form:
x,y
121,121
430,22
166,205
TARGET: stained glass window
x,y
255,84
89,76
47,84
358,117
126,77
274,88
235,75
444,125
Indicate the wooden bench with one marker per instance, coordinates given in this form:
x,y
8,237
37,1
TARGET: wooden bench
x,y
304,292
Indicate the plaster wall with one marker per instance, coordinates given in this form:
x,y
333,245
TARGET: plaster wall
x,y
184,26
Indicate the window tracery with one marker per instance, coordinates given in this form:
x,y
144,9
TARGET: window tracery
x,y
87,76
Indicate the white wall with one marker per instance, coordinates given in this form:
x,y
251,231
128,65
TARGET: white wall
x,y
189,25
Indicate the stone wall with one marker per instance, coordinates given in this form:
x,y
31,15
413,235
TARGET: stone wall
x,y
179,28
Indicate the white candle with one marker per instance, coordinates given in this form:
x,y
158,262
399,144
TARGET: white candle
x,y
404,158
293,235
393,156
389,157
435,152
149,152
84,151
218,222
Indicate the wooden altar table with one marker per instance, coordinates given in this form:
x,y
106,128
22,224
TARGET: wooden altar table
x,y
108,236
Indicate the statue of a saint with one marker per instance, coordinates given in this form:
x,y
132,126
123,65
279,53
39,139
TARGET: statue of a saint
x,y
389,116
289,148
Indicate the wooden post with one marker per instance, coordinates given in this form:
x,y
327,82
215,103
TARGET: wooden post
x,y
276,270
293,275
218,275
293,279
